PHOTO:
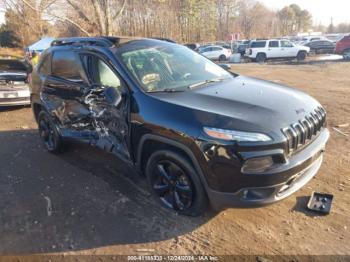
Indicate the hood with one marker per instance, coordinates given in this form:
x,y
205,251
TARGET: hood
x,y
246,104
8,66
12,75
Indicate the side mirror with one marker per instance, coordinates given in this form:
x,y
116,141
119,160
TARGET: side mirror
x,y
113,97
225,66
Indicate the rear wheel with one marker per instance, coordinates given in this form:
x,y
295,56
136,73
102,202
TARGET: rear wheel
x,y
48,133
301,56
222,58
175,183
346,54
261,58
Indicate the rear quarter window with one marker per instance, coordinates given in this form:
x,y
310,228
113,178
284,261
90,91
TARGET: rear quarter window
x,y
259,44
274,44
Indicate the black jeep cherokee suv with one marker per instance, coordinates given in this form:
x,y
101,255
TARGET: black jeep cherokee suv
x,y
198,132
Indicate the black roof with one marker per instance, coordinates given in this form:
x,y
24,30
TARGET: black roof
x,y
105,41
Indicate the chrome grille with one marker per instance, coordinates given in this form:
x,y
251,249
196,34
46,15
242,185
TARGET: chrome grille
x,y
302,132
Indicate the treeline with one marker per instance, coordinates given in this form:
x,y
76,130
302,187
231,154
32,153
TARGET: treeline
x,y
183,21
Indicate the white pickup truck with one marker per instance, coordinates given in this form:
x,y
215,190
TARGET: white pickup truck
x,y
261,50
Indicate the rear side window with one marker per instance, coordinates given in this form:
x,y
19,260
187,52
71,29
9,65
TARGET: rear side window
x,y
259,44
216,49
66,65
274,44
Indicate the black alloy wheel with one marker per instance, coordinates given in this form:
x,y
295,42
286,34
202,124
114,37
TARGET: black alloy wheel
x,y
48,133
173,186
175,183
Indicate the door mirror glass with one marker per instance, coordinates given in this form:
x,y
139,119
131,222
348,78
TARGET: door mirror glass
x,y
112,96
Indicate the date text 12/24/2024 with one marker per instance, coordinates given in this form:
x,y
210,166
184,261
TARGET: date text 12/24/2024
x,y
172,258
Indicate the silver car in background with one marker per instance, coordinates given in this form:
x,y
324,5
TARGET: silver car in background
x,y
14,88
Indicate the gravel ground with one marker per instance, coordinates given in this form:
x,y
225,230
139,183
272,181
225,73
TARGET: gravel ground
x,y
85,201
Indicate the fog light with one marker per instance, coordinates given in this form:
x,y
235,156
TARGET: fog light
x,y
257,165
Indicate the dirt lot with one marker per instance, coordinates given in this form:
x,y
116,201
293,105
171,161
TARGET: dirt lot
x,y
100,206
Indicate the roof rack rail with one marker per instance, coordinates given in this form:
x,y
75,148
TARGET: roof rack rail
x,y
96,41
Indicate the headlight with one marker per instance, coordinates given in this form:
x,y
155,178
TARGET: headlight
x,y
231,135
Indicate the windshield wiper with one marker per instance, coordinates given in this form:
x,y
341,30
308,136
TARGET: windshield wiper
x,y
166,90
205,82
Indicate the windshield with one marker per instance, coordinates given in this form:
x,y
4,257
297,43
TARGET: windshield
x,y
160,66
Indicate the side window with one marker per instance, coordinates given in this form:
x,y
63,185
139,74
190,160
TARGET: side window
x,y
45,66
208,49
259,44
273,44
106,76
216,49
285,43
66,65
99,72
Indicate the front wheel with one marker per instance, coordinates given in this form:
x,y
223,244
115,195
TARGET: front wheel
x,y
301,56
346,54
48,133
175,183
261,58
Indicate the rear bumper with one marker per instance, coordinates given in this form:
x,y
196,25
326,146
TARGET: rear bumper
x,y
310,159
19,101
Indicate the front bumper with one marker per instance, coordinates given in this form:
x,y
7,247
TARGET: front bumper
x,y
310,159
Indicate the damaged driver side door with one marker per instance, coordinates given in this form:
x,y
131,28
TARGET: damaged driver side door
x,y
107,101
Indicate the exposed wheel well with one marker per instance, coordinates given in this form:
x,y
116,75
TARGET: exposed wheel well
x,y
150,146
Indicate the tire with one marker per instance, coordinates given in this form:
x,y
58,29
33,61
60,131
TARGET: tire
x,y
346,54
301,55
175,183
261,58
48,133
222,58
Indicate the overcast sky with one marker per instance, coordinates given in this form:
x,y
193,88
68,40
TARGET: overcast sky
x,y
321,10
